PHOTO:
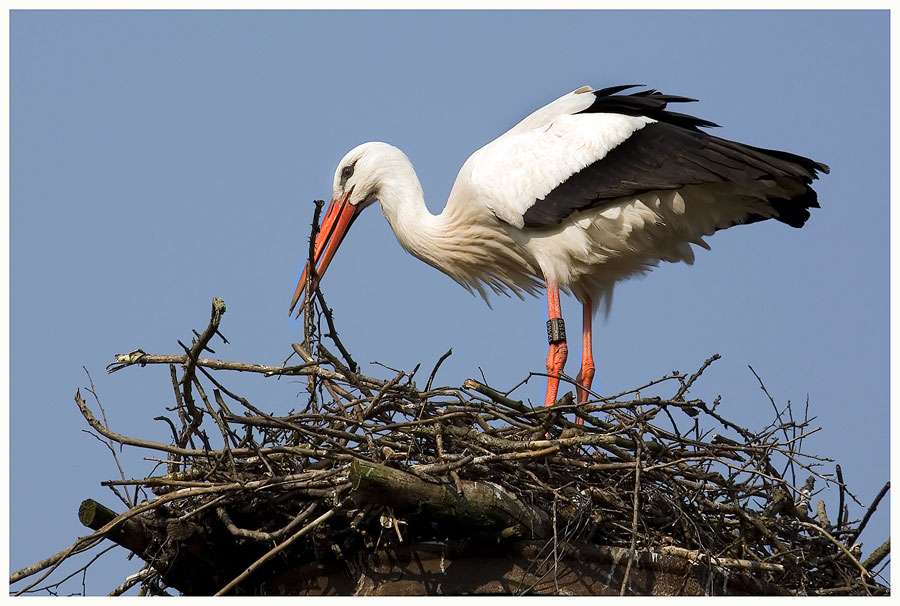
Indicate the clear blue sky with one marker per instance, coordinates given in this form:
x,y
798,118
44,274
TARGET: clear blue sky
x,y
160,159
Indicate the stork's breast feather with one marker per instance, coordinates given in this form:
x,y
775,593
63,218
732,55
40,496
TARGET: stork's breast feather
x,y
518,169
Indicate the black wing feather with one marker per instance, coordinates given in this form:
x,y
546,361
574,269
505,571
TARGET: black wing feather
x,y
672,153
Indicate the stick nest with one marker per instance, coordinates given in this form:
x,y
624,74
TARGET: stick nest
x,y
240,495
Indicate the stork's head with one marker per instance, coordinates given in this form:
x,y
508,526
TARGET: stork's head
x,y
357,183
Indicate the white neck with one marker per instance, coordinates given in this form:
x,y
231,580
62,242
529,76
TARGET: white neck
x,y
403,204
465,241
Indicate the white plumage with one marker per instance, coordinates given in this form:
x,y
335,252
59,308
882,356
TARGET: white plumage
x,y
593,188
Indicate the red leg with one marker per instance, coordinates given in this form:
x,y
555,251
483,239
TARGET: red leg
x,y
586,374
559,351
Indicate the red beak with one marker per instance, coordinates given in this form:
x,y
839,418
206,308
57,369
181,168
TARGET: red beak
x,y
335,225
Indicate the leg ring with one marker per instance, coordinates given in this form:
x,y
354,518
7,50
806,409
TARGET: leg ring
x,y
556,330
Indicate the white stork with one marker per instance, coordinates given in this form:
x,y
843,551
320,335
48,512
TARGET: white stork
x,y
591,189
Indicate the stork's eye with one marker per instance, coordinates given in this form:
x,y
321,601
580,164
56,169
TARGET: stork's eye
x,y
347,172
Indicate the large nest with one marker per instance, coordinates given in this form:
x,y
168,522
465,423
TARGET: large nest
x,y
245,502
370,465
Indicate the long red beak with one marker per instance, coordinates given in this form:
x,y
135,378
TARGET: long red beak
x,y
335,225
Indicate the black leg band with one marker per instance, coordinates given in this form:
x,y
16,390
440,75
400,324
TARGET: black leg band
x,y
556,330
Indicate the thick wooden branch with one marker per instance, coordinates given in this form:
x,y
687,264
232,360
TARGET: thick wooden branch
x,y
130,534
879,554
202,562
482,504
695,555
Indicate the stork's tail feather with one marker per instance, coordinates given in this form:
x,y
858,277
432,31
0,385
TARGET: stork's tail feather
x,y
792,211
793,176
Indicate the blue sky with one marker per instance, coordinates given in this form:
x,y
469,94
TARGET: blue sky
x,y
160,159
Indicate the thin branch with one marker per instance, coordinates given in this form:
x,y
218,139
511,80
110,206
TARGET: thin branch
x,y
436,367
869,512
278,549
